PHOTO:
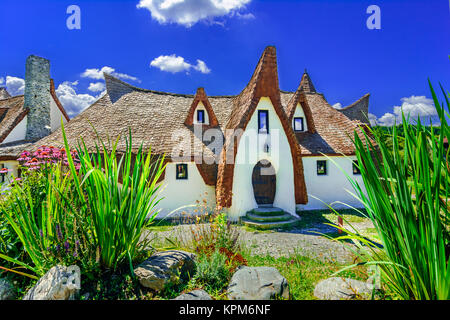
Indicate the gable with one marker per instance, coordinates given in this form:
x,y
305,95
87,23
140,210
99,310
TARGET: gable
x,y
264,83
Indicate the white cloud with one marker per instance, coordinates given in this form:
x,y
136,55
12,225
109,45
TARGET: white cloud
x,y
2,80
245,16
372,119
15,86
72,101
414,107
201,67
97,74
174,64
96,87
337,105
189,12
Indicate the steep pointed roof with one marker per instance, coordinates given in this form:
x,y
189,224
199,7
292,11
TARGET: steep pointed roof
x,y
306,84
200,96
263,83
299,97
358,110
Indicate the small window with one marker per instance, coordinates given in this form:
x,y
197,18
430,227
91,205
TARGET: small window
x,y
200,116
263,121
298,124
321,167
356,167
182,171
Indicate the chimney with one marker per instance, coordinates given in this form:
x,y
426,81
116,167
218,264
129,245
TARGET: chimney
x,y
37,97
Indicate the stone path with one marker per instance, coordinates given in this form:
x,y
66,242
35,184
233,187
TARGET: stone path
x,y
306,241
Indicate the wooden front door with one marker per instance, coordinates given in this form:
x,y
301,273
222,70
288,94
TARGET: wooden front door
x,y
264,182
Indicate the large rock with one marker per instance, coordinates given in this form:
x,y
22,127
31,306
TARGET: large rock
x,y
336,288
257,283
194,295
59,283
164,268
7,290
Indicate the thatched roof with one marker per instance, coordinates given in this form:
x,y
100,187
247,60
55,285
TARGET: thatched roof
x,y
153,117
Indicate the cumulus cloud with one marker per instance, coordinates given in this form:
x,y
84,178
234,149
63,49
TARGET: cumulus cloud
x,y
189,12
15,86
97,74
72,101
96,87
2,81
414,107
174,64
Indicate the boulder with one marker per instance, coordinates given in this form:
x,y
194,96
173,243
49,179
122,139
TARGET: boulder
x,y
165,267
336,288
194,295
7,290
257,283
59,283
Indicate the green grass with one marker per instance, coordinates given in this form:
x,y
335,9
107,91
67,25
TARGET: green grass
x,y
303,273
161,225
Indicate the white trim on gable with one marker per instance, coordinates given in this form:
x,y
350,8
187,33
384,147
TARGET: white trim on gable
x,y
299,113
201,106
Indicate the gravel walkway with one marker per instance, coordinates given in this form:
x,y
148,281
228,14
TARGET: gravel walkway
x,y
280,243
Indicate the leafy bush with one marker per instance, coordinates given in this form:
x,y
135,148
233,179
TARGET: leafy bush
x,y
75,207
212,271
218,233
407,201
121,194
47,223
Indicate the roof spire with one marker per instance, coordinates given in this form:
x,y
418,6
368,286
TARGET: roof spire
x,y
306,84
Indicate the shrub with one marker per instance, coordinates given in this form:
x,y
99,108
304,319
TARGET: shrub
x,y
84,208
407,201
44,216
218,233
212,271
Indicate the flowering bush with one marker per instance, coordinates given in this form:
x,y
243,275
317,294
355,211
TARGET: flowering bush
x,y
45,157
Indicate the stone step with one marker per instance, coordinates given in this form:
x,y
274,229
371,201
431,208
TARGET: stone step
x,y
267,211
255,217
268,225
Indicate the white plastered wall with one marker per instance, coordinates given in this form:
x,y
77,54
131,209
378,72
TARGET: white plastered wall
x,y
300,113
330,187
182,195
55,116
18,133
248,155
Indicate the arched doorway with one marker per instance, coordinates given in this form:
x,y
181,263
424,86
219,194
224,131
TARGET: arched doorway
x,y
264,182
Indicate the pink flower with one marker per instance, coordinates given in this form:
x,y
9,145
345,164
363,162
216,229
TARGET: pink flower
x,y
5,170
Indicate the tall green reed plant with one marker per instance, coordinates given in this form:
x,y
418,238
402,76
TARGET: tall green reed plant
x,y
50,230
406,198
92,213
121,194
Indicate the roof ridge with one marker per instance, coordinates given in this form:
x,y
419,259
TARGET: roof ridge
x,y
111,79
367,95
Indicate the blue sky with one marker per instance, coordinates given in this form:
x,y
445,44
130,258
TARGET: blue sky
x,y
330,38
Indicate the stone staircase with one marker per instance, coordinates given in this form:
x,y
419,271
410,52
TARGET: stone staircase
x,y
268,218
